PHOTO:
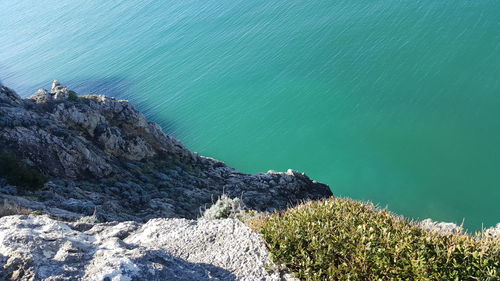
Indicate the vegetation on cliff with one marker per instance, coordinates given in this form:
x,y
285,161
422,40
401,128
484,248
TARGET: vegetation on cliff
x,y
15,172
105,156
342,239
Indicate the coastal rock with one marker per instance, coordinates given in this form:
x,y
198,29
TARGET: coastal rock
x,y
55,86
9,97
39,248
103,156
41,96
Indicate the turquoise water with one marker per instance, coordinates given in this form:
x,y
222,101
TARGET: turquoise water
x,y
397,102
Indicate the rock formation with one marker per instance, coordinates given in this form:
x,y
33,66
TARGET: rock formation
x,y
102,155
39,248
121,197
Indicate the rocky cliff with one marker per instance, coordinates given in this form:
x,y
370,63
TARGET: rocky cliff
x,y
102,156
114,198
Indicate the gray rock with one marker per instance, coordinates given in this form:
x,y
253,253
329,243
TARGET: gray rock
x,y
8,189
39,248
102,154
9,97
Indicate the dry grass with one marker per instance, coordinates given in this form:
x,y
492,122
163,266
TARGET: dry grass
x,y
7,209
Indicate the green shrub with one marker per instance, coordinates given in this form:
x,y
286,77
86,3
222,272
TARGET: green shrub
x,y
72,95
17,173
342,239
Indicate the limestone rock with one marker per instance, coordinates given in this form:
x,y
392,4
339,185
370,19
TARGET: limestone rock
x,y
39,248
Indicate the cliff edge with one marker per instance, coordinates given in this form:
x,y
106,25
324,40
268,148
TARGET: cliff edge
x,y
101,156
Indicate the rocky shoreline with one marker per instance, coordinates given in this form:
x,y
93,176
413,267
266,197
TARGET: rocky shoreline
x,y
122,198
102,155
123,201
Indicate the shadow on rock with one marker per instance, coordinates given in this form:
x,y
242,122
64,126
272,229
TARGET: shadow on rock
x,y
39,248
160,265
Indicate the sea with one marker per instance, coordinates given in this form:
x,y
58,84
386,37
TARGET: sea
x,y
391,101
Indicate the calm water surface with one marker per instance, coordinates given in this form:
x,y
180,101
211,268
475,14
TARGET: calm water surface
x,y
392,101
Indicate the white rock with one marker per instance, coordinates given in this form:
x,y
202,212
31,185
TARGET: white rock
x,y
39,248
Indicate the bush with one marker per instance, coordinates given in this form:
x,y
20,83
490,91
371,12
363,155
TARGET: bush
x,y
72,95
342,239
17,173
225,207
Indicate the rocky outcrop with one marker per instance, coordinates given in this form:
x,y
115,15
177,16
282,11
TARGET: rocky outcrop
x,y
114,179
102,155
9,97
39,248
88,137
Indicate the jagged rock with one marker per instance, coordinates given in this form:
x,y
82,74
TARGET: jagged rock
x,y
7,188
41,96
9,97
38,248
55,86
102,154
58,91
85,138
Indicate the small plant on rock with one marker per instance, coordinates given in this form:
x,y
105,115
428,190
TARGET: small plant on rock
x,y
72,96
225,207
